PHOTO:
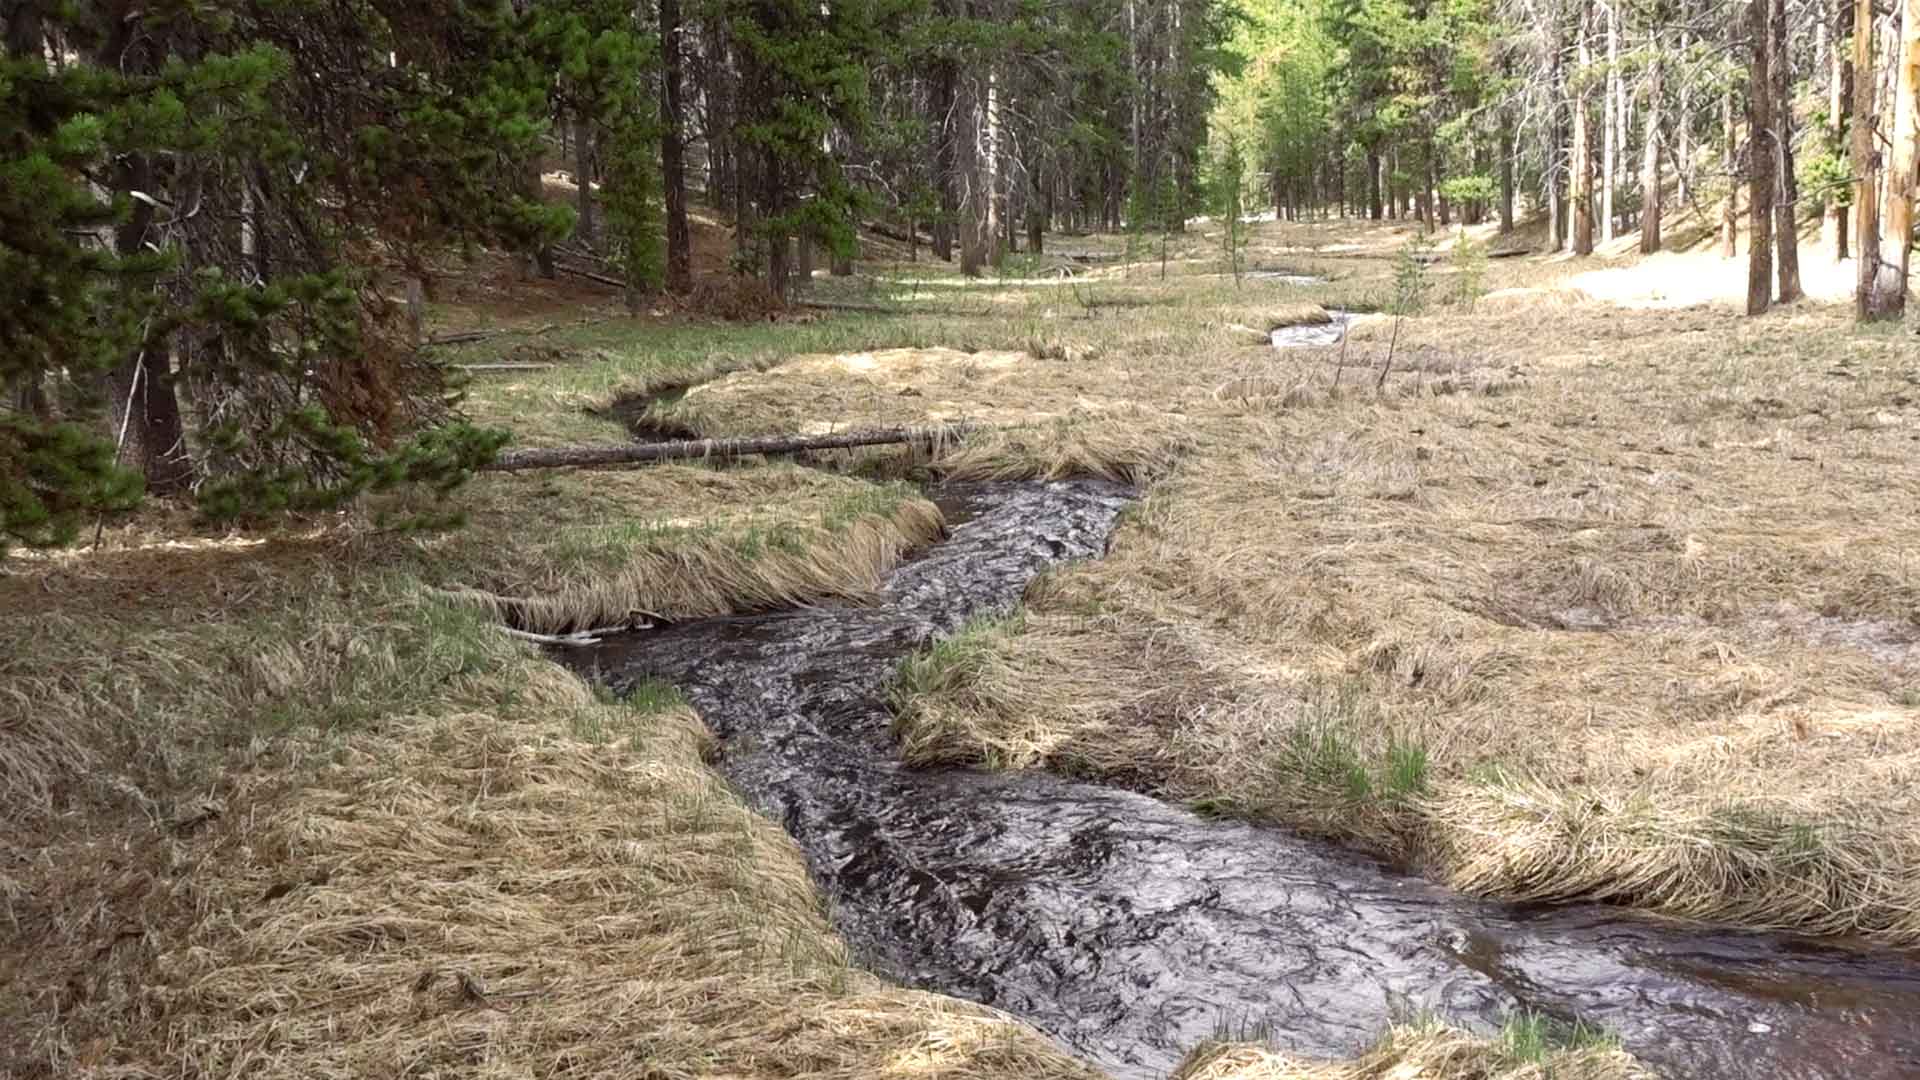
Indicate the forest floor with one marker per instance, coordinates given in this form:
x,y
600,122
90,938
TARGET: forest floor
x,y
1575,601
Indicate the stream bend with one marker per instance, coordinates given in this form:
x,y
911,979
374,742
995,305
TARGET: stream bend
x,y
1132,930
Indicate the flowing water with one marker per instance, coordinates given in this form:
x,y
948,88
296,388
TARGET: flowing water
x,y
1327,333
1132,930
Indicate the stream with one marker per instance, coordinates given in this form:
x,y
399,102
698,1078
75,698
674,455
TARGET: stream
x,y
1132,930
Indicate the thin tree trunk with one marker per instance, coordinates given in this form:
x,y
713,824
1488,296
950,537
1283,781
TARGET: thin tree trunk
x,y
585,227
991,171
1139,91
1760,158
1650,193
1582,187
945,97
1730,209
1896,236
1839,101
1786,227
1684,123
1866,170
1375,200
1610,153
1506,180
673,151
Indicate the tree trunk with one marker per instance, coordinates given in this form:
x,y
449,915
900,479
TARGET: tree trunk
x,y
944,98
145,419
803,263
1582,181
673,171
1869,302
24,34
1839,101
1786,227
1610,153
143,409
1730,210
1650,194
1896,235
1683,124
1375,200
585,227
1037,213
532,189
991,171
975,236
1506,179
1760,157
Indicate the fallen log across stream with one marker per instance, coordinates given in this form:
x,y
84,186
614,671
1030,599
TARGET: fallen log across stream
x,y
643,453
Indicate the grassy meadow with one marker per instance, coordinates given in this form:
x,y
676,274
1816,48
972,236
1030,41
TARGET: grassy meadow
x,y
1555,590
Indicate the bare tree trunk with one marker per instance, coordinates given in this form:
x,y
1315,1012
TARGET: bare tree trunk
x,y
1760,158
1551,134
1650,193
1839,101
673,169
1866,169
1786,227
1896,234
1582,189
1610,153
1138,97
1730,210
945,101
1684,122
975,234
991,171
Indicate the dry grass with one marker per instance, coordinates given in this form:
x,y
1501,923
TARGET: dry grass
x,y
281,809
1585,603
1424,1051
275,807
686,542
496,873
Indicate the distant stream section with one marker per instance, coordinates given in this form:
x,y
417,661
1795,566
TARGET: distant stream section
x,y
1132,930
1327,333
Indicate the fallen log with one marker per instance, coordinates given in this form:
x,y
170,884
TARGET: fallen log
x,y
590,275
642,453
882,309
464,337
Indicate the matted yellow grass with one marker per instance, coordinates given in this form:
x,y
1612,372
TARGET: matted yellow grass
x,y
280,809
1417,1052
